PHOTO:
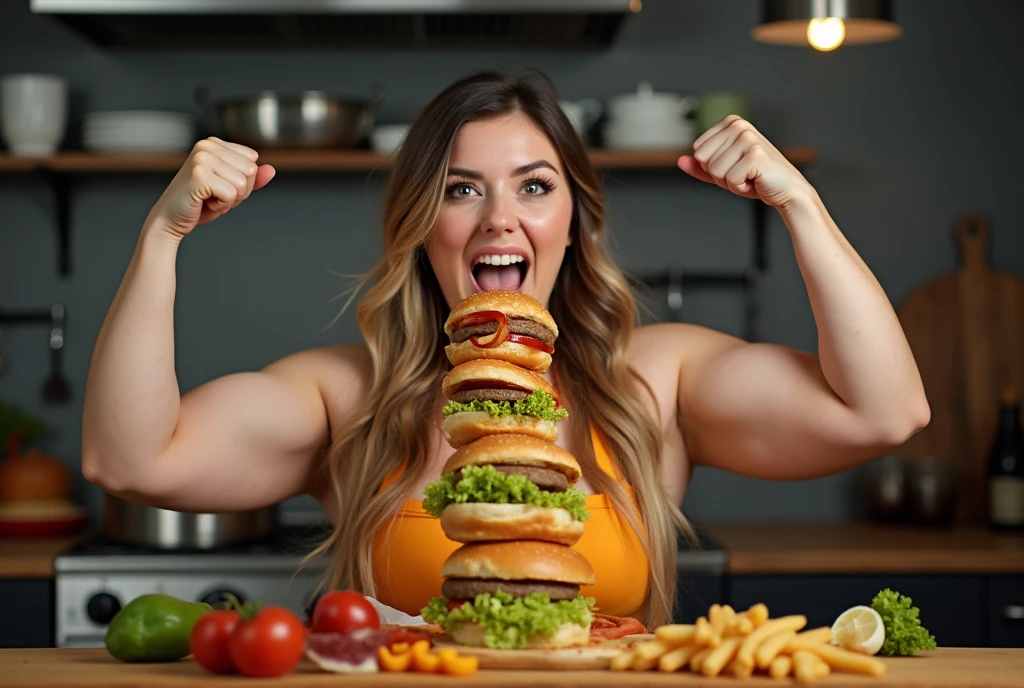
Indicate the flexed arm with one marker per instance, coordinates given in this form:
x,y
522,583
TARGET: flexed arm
x,y
772,411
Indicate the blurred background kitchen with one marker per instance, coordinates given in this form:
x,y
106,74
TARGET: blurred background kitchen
x,y
910,139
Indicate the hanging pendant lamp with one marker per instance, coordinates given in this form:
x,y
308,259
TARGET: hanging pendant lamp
x,y
826,24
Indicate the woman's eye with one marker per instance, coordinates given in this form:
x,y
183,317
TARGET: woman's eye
x,y
462,190
534,188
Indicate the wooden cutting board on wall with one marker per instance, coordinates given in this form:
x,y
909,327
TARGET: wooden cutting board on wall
x,y
966,330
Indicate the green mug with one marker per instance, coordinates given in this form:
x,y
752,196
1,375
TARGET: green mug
x,y
713,107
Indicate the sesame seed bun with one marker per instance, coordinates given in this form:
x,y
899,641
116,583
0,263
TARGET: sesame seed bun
x,y
528,560
468,426
483,522
481,371
516,450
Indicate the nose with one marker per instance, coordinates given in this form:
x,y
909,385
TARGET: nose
x,y
498,216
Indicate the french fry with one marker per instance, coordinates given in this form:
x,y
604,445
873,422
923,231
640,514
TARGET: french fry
x,y
741,625
821,669
697,661
809,639
719,623
702,631
641,664
676,659
772,646
623,660
847,660
781,666
734,669
752,641
675,635
650,649
758,614
804,666
720,656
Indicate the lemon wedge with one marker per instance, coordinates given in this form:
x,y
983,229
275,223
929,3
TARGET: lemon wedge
x,y
859,629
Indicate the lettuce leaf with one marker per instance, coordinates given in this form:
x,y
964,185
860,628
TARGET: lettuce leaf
x,y
511,621
539,404
904,634
489,485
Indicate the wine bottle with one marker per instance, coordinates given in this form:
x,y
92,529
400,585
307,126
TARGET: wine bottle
x,y
1006,467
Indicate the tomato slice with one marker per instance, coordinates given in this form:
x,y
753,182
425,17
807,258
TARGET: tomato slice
x,y
503,333
530,342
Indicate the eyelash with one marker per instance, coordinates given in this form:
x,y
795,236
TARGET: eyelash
x,y
547,185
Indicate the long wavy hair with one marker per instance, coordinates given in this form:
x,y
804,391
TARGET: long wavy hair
x,y
401,316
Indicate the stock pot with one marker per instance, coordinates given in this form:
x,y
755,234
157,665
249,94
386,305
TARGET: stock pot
x,y
136,524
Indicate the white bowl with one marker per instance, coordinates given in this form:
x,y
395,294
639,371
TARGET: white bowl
x,y
387,138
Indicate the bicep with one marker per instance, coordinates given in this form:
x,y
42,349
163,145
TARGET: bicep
x,y
246,440
765,411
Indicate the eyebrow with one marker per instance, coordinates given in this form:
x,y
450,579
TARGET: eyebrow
x,y
517,172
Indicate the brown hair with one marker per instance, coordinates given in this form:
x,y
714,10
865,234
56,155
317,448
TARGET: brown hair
x,y
401,317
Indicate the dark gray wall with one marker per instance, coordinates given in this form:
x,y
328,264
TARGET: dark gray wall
x,y
910,134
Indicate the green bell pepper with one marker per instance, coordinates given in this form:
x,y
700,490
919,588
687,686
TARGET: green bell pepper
x,y
153,628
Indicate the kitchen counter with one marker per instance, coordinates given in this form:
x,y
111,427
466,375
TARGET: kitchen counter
x,y
943,668
751,548
853,548
31,557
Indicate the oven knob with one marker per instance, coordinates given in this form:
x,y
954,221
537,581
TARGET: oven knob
x,y
102,608
218,597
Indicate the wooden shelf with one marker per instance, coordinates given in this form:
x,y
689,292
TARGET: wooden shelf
x,y
78,162
62,169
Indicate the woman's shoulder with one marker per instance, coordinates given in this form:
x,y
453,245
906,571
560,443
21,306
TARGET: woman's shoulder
x,y
341,372
666,351
676,341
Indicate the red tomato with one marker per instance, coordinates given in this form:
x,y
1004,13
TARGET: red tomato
x,y
270,643
342,611
208,640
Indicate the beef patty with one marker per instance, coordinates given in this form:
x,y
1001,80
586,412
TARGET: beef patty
x,y
544,478
468,588
467,395
523,326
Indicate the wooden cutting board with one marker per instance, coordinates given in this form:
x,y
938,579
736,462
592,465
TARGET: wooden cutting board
x,y
966,330
943,668
597,656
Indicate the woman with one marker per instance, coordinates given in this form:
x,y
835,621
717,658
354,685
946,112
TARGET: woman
x,y
492,165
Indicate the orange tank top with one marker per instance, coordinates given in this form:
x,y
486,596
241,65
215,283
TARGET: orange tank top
x,y
411,548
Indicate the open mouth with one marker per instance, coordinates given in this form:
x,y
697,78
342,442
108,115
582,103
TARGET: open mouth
x,y
494,272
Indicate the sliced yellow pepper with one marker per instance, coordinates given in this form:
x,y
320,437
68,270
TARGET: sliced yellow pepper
x,y
422,660
400,648
453,664
390,662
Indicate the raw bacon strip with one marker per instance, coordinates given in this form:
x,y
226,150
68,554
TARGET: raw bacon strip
x,y
347,652
608,627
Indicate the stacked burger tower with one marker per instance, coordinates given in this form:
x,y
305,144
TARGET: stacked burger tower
x,y
507,492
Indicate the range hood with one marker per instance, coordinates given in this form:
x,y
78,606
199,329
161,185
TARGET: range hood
x,y
342,24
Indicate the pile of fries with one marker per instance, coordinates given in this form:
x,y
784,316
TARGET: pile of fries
x,y
741,643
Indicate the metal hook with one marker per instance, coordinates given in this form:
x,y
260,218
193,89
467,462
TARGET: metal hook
x,y
674,295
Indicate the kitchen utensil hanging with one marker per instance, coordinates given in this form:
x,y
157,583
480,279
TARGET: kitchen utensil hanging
x,y
56,389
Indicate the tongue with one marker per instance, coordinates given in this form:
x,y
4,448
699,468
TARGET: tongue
x,y
494,277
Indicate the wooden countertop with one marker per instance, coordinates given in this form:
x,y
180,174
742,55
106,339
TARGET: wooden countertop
x,y
796,548
31,557
943,668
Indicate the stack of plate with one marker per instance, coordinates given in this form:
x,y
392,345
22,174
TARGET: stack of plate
x,y
137,131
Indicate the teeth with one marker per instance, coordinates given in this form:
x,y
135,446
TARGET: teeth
x,y
499,260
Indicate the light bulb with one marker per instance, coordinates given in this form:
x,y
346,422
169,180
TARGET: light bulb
x,y
826,34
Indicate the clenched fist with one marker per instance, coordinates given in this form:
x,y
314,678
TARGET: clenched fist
x,y
736,156
215,178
